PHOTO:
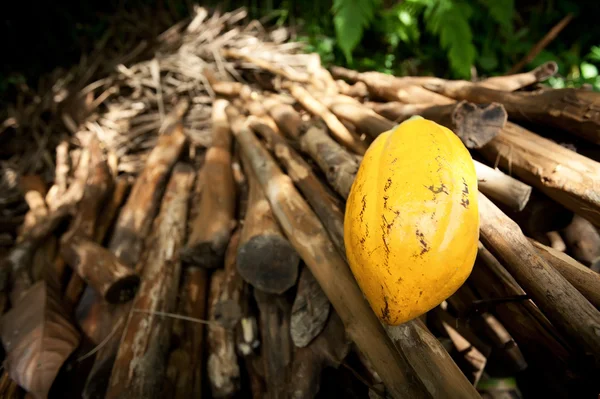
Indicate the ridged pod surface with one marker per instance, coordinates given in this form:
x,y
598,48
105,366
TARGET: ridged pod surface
x,y
411,223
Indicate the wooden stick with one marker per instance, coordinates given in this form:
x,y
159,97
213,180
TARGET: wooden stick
x,y
474,124
405,89
469,351
222,367
310,310
100,268
276,345
322,202
338,130
501,187
262,235
488,325
287,119
560,173
287,73
132,227
121,189
340,167
139,366
80,237
185,364
135,218
568,310
327,350
519,80
555,241
17,263
431,361
366,120
568,109
544,348
583,241
306,234
539,46
358,89
212,226
585,280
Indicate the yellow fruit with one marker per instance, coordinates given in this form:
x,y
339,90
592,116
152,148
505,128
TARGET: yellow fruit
x,y
411,223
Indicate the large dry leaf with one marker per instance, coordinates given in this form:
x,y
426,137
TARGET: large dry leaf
x,y
38,338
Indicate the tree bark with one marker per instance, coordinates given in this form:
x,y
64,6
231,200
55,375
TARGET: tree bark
x,y
222,364
286,117
430,361
585,280
560,173
140,363
366,120
185,365
214,221
546,351
276,346
474,124
328,349
131,228
322,202
583,241
310,310
261,235
340,166
566,307
100,268
307,235
574,110
520,80
501,187
337,129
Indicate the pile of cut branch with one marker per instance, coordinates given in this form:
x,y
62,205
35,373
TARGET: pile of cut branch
x,y
188,237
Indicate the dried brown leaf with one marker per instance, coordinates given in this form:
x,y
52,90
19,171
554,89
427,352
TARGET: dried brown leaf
x,y
38,338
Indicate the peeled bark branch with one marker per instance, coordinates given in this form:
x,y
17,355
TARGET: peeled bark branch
x,y
131,228
212,226
186,362
501,187
286,117
544,348
306,234
135,218
338,130
276,343
474,124
562,174
405,89
322,202
583,240
574,110
261,235
566,307
340,167
140,362
100,268
520,80
366,120
224,311
585,280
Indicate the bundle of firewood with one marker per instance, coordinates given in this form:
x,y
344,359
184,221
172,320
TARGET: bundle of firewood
x,y
190,240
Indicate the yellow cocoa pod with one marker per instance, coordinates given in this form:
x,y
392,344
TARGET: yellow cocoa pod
x,y
411,223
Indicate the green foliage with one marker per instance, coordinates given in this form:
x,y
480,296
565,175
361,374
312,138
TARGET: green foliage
x,y
351,17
